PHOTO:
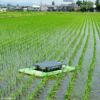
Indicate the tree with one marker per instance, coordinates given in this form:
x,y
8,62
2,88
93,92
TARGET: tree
x,y
87,6
98,5
90,6
79,3
83,8
53,3
97,2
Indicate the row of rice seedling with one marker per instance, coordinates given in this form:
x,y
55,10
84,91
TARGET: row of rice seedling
x,y
21,41
57,85
24,42
91,70
77,46
32,83
38,89
83,65
66,42
21,20
79,64
53,57
95,87
54,89
22,89
55,45
97,28
97,23
42,83
63,40
74,76
52,45
73,42
58,40
66,54
5,92
59,59
6,86
70,40
42,27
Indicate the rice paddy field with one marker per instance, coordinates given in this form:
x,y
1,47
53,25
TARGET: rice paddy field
x,y
27,38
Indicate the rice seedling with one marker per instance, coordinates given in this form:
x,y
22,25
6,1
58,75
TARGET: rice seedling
x,y
27,38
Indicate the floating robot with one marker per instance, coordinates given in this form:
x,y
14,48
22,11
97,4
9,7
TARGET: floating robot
x,y
47,68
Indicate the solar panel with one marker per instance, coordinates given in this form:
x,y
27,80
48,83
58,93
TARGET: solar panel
x,y
48,64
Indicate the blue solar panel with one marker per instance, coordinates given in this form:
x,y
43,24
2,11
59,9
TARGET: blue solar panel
x,y
48,64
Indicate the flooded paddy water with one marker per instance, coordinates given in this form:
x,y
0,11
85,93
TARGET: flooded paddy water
x,y
72,37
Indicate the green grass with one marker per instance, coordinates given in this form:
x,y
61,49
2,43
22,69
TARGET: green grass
x,y
27,38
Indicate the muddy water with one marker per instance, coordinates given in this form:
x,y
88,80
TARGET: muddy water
x,y
79,88
95,93
60,95
63,87
75,63
31,89
47,89
62,90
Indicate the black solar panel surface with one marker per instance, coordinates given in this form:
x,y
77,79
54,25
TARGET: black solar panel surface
x,y
50,64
